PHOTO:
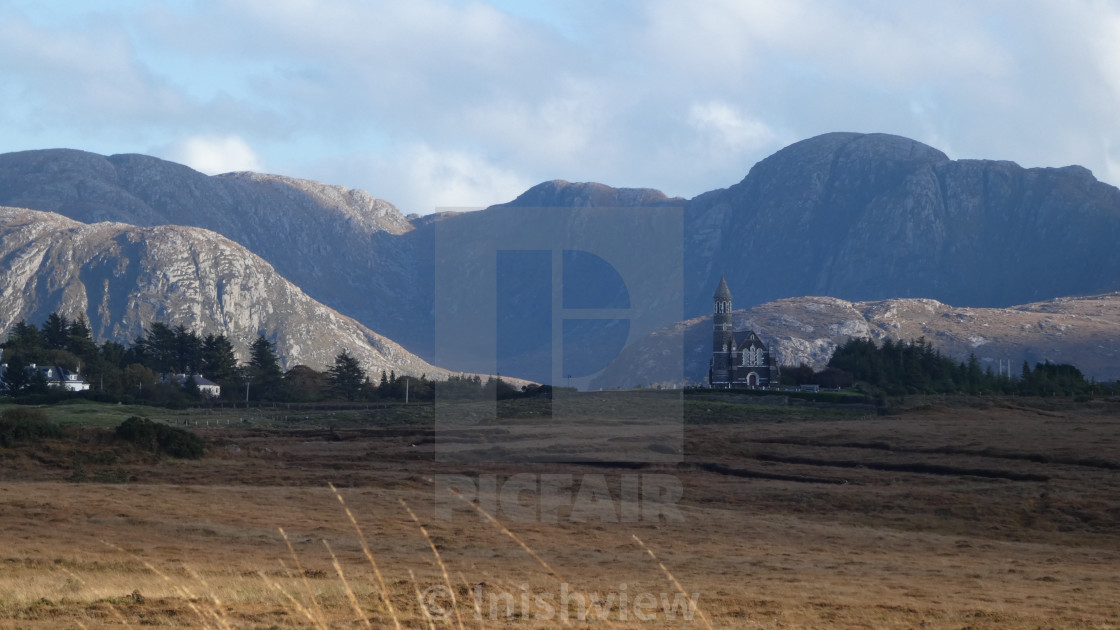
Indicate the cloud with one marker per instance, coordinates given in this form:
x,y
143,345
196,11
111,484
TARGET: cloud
x,y
75,75
216,154
422,178
448,178
726,127
442,102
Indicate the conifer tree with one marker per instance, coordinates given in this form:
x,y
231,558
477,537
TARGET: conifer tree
x,y
217,360
346,376
264,369
16,377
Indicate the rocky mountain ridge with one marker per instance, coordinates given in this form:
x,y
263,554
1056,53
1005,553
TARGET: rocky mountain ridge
x,y
1084,331
122,277
874,216
343,247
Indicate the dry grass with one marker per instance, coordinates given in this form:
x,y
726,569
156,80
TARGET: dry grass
x,y
196,544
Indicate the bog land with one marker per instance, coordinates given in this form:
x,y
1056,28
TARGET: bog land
x,y
944,513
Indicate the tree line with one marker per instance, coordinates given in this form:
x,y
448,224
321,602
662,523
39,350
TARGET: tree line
x,y
132,373
916,367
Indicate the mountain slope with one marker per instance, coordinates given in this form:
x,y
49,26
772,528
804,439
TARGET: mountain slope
x,y
123,277
1084,331
343,247
874,216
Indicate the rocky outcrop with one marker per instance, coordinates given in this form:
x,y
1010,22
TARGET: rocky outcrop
x,y
123,277
1083,331
343,247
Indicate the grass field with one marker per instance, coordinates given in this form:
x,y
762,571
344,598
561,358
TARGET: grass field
x,y
948,513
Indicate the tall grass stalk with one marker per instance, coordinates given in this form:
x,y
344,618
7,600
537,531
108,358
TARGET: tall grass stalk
x,y
672,579
303,576
369,555
346,585
183,591
439,560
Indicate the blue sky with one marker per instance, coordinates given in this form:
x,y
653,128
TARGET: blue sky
x,y
431,103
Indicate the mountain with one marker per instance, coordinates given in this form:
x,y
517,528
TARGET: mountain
x,y
343,247
874,216
858,217
123,277
562,194
1084,331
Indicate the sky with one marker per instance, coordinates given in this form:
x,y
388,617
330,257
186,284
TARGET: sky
x,y
444,103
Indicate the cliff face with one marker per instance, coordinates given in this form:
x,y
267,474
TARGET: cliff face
x,y
1083,331
123,277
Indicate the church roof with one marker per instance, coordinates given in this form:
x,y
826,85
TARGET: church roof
x,y
722,291
747,338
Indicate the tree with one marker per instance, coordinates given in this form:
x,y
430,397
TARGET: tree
x,y
188,351
264,369
80,340
190,388
304,384
218,362
973,373
16,378
159,349
24,340
113,353
56,332
833,378
346,376
138,378
37,383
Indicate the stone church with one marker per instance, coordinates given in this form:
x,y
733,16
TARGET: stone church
x,y
739,358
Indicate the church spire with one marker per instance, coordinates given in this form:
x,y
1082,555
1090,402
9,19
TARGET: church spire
x,y
722,292
723,337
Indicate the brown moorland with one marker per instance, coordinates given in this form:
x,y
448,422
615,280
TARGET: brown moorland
x,y
946,514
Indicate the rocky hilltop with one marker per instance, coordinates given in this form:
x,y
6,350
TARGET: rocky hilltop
x,y
122,277
874,216
1084,331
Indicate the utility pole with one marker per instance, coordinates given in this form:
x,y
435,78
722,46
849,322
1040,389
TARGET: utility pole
x,y
406,390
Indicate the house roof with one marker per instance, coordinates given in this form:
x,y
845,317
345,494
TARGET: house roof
x,y
198,379
56,373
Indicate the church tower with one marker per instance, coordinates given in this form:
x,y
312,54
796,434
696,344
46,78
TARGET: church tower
x,y
723,337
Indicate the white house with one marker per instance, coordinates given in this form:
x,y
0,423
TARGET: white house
x,y
61,377
208,387
56,376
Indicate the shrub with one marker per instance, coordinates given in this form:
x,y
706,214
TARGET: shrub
x,y
26,424
160,438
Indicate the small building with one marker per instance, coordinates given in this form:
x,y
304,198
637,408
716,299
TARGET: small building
x,y
739,358
56,376
208,387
